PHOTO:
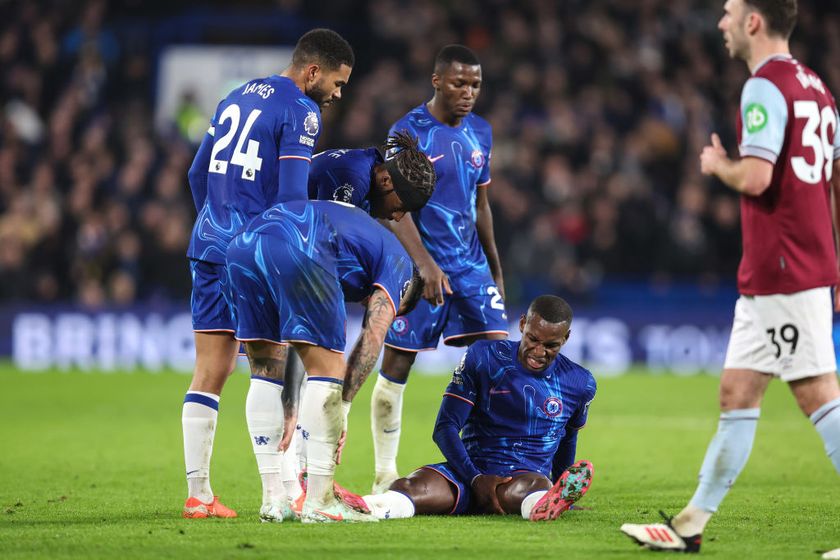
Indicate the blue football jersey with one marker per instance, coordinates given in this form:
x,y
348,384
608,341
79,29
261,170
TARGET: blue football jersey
x,y
344,175
461,156
255,126
518,416
337,236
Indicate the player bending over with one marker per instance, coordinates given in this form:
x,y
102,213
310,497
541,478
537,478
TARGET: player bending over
x,y
518,407
384,188
788,139
290,271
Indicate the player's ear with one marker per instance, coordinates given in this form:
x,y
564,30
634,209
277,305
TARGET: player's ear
x,y
436,81
522,324
754,23
312,72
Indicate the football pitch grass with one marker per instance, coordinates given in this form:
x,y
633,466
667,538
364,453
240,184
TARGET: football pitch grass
x,y
91,466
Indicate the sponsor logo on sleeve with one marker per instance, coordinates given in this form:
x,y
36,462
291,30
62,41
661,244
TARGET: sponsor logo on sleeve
x,y
755,117
311,124
344,193
458,374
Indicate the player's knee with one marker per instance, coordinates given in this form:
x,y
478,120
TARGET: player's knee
x,y
412,488
521,486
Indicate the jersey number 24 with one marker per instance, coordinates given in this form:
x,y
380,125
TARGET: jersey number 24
x,y
250,159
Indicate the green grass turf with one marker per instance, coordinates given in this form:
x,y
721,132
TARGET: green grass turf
x,y
91,466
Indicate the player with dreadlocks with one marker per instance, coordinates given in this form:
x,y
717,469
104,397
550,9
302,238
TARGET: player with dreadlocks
x,y
386,189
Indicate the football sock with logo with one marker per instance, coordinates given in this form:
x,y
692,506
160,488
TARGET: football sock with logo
x,y
725,458
826,420
390,505
322,420
264,415
530,501
198,420
385,418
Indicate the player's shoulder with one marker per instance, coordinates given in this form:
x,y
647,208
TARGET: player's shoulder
x,y
478,123
789,75
416,119
576,373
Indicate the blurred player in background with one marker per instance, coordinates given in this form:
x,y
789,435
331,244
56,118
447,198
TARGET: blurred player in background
x,y
790,150
507,427
451,239
291,269
256,153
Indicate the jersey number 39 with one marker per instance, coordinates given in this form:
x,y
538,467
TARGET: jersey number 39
x,y
250,160
815,135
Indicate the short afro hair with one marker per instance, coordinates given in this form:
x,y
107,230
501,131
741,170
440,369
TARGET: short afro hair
x,y
455,53
324,47
411,171
553,309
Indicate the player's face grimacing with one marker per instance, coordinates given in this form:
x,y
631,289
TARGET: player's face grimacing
x,y
458,86
326,85
732,24
385,204
541,341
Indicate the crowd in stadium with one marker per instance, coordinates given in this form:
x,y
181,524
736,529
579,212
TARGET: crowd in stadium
x,y
599,113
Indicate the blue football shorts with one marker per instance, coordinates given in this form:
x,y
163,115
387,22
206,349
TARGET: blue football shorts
x,y
210,311
462,488
477,309
279,294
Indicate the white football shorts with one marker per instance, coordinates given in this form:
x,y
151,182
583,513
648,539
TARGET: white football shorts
x,y
786,335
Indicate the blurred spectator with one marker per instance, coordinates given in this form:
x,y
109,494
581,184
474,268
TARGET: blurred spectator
x,y
599,111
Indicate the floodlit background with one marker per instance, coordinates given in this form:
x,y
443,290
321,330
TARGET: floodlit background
x,y
599,111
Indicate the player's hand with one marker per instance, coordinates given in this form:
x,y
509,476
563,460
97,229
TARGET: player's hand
x,y
342,439
289,428
484,490
435,283
500,284
711,156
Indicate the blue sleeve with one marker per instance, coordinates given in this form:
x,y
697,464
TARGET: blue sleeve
x,y
292,174
764,116
197,175
457,404
395,267
484,176
344,186
299,130
565,454
578,419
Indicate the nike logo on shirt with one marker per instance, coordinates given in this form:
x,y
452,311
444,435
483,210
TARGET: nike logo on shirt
x,y
434,159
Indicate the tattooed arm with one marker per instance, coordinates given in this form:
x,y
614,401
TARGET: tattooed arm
x,y
379,316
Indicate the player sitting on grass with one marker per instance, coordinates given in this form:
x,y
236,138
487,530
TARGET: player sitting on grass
x,y
518,407
290,271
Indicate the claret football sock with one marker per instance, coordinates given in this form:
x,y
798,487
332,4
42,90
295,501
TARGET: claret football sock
x,y
826,420
198,419
385,418
530,501
390,505
321,420
264,415
725,458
